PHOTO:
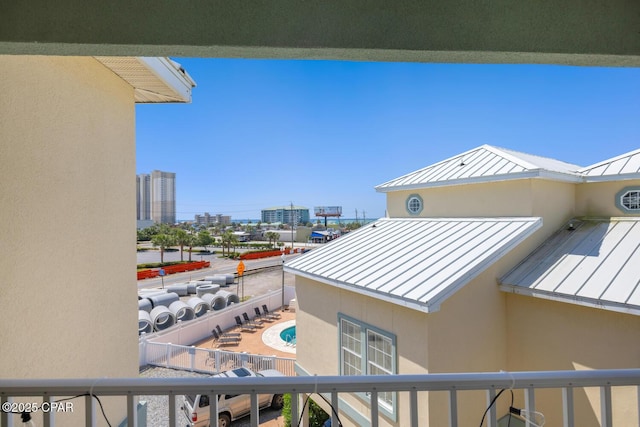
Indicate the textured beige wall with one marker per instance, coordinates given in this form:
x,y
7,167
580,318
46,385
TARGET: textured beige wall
x,y
551,335
67,221
598,199
503,198
317,321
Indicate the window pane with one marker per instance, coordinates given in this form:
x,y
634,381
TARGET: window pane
x,y
380,361
631,200
351,348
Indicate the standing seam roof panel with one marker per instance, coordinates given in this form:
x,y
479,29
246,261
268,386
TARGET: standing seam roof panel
x,y
393,235
454,167
449,274
451,250
391,280
343,259
596,265
380,259
614,249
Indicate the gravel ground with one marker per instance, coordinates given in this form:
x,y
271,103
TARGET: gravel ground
x,y
158,410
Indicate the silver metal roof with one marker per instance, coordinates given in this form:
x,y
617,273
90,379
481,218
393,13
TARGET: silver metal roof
x,y
415,262
154,80
483,164
625,166
596,264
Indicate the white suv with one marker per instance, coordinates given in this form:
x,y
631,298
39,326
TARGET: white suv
x,y
230,407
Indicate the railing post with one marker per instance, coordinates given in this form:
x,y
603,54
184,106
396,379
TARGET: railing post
x,y
605,406
48,418
6,418
168,354
89,410
413,407
213,409
172,410
305,411
192,352
295,413
638,404
334,412
567,406
244,358
374,408
529,402
491,415
453,408
143,350
132,416
255,410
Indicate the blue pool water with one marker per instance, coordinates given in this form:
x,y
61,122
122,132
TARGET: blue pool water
x,y
288,335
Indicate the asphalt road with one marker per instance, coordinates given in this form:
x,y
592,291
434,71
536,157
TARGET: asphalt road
x,y
258,283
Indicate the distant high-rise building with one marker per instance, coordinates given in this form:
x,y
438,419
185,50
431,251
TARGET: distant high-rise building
x,y
163,197
143,197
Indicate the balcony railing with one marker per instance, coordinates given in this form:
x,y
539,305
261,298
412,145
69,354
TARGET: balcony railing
x,y
332,387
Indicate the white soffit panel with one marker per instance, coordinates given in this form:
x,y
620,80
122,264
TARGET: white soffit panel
x,y
417,262
155,80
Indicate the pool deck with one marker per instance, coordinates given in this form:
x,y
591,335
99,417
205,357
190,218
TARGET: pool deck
x,y
264,340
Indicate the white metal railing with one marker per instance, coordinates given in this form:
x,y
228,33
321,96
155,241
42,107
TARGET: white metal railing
x,y
567,381
211,361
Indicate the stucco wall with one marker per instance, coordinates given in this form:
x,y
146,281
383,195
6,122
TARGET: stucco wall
x,y
317,323
598,198
551,335
504,198
67,254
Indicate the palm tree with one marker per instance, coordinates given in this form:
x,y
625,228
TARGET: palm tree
x,y
228,239
162,241
181,238
272,236
191,241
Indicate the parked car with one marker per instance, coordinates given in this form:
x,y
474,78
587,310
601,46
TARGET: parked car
x,y
230,407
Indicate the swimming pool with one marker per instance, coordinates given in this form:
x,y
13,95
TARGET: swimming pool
x,y
288,335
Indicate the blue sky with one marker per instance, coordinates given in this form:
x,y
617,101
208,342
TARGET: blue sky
x,y
263,133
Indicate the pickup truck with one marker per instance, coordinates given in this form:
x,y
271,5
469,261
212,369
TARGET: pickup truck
x,y
230,407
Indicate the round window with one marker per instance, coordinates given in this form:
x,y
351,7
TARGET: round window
x,y
414,204
628,200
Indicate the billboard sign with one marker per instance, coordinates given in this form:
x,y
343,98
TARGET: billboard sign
x,y
328,210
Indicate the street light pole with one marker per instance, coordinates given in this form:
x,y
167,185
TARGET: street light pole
x,y
292,225
283,259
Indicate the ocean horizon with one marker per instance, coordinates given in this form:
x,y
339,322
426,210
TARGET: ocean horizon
x,y
313,220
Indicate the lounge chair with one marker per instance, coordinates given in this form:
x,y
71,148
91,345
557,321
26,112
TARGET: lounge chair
x,y
218,340
254,322
263,316
244,326
270,313
227,334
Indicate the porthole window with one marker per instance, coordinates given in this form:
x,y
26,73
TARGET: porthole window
x,y
414,204
628,200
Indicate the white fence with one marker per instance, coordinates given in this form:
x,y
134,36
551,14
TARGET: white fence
x,y
211,361
187,333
